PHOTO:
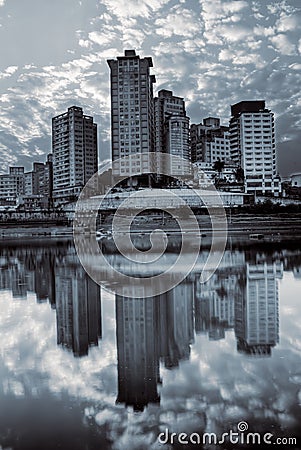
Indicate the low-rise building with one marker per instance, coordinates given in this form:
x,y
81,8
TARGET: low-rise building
x,y
30,189
296,180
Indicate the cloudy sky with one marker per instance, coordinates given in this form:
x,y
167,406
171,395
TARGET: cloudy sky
x,y
214,54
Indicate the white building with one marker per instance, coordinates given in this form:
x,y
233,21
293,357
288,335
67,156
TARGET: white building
x,y
206,174
252,143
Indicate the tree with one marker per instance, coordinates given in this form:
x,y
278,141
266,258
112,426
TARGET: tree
x,y
219,167
239,174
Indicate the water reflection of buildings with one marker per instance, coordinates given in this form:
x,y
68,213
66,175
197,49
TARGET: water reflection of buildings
x,y
256,312
214,305
241,295
176,324
137,350
55,275
150,329
77,307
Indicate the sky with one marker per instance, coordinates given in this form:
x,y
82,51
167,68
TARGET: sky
x,y
214,54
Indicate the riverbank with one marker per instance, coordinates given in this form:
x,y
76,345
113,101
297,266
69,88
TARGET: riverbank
x,y
271,227
27,232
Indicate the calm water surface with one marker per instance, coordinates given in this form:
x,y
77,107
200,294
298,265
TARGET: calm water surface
x,y
81,368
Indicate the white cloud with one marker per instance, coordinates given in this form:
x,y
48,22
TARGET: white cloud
x,y
84,43
102,38
225,55
263,31
133,38
8,72
181,22
133,8
283,45
215,11
234,6
295,66
287,23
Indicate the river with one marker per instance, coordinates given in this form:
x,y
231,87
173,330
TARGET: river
x,y
83,368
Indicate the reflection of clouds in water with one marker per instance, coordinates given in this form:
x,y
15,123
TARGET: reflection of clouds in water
x,y
290,311
29,343
231,387
216,388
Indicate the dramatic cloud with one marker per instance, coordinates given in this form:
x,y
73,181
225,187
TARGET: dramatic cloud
x,y
213,54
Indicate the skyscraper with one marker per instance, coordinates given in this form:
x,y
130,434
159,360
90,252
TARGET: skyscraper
x,y
75,158
172,132
132,113
252,146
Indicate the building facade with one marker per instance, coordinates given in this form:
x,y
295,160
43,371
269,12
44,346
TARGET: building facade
x,y
209,141
12,185
296,180
165,105
178,145
132,114
252,146
172,133
75,155
28,188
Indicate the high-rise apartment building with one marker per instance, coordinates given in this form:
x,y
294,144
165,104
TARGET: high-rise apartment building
x,y
132,114
178,145
172,132
252,146
166,105
74,147
209,141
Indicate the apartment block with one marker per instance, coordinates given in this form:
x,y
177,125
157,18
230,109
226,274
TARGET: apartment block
x,y
132,114
252,147
12,185
209,141
75,155
172,133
